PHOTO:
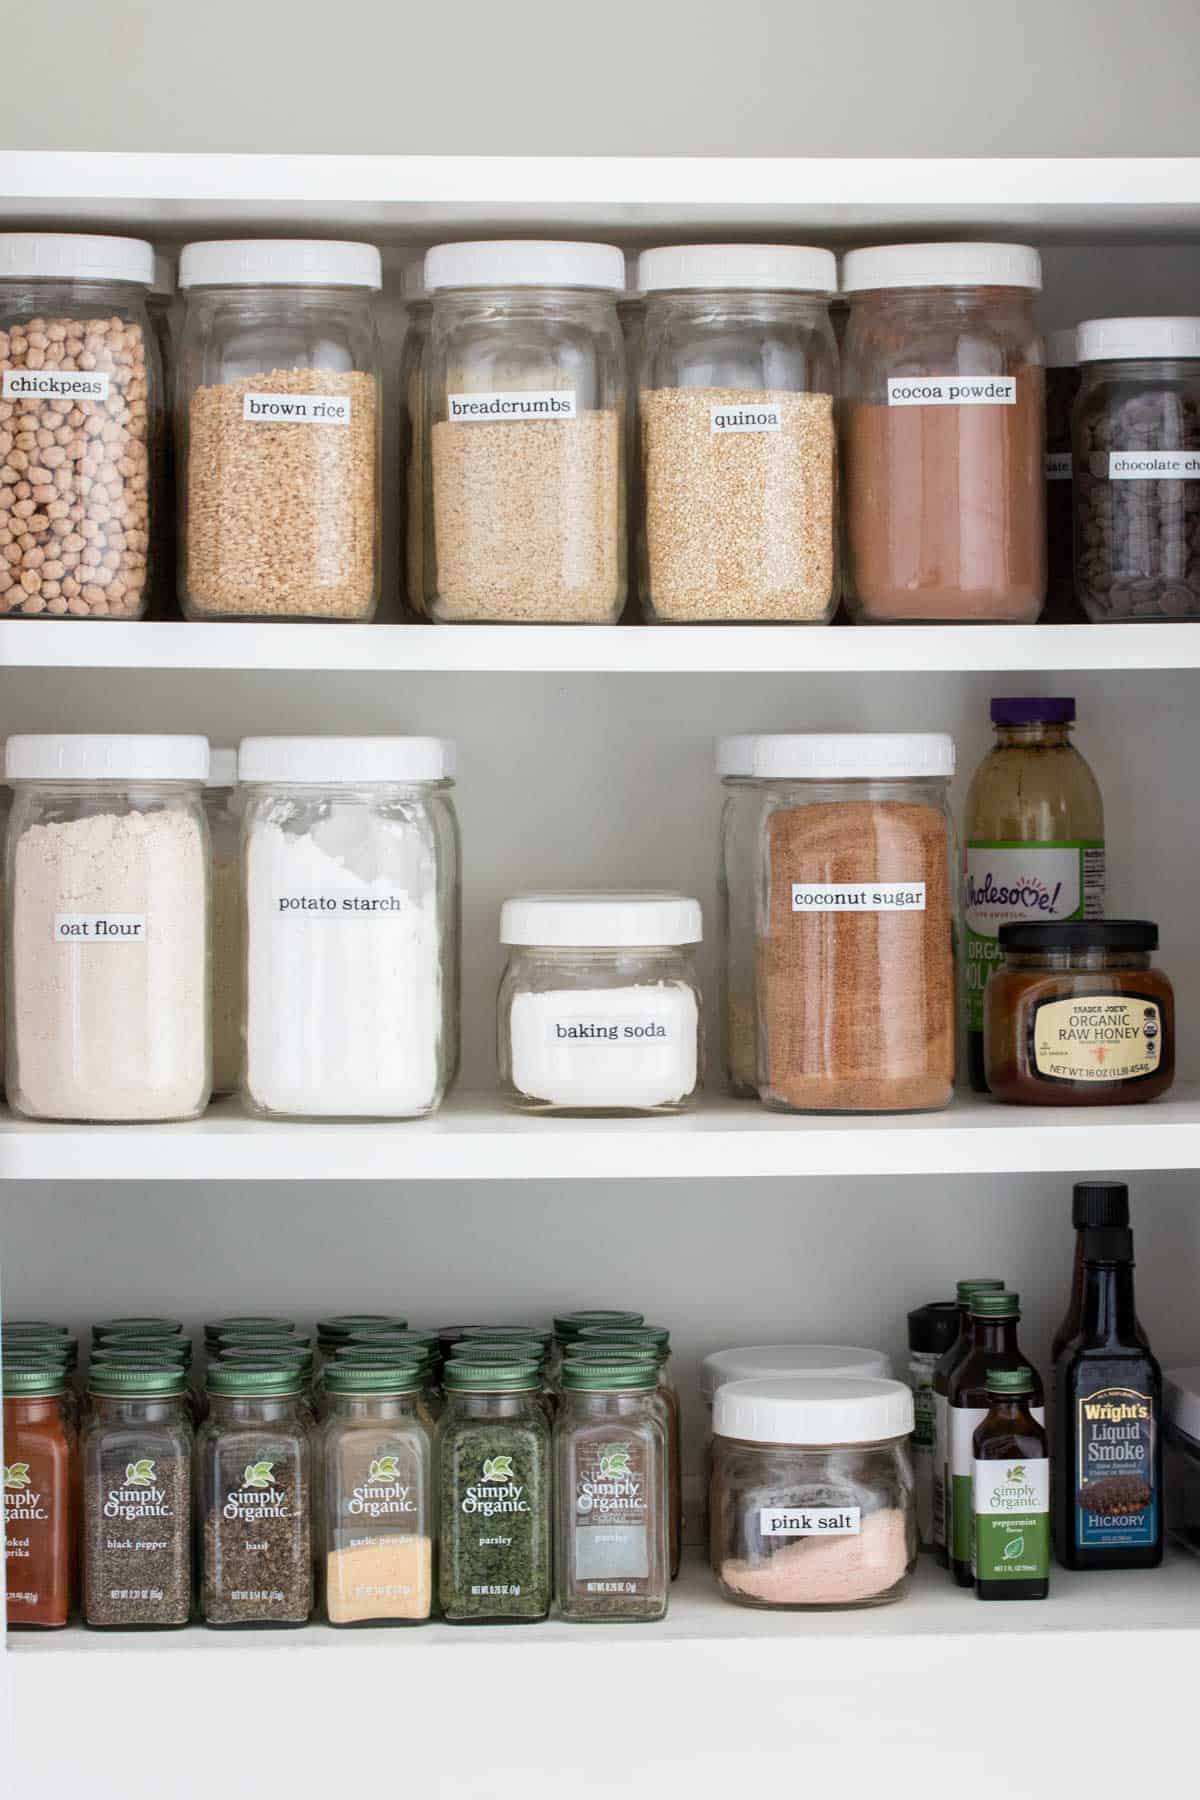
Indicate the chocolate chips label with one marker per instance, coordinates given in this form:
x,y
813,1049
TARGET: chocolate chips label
x,y
952,390
725,419
1058,465
846,896
1154,465
1115,1498
1097,1038
100,928
810,1521
523,403
54,384
296,409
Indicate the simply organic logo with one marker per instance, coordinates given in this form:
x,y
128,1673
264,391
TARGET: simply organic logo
x,y
139,1496
497,1490
1016,1473
614,1463
259,1475
497,1468
140,1474
259,1496
383,1468
16,1475
382,1494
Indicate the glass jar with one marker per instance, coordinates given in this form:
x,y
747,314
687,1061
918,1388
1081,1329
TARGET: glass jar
x,y
738,487
80,426
377,1523
107,923
418,314
839,873
254,1461
1181,1455
616,1338
1077,1016
5,808
350,873
611,1551
278,415
523,434
599,1004
136,1451
162,311
1062,385
1137,469
811,1500
228,955
943,432
39,1497
631,311
494,1512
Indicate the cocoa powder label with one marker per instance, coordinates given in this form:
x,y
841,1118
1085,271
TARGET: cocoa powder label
x,y
852,896
952,390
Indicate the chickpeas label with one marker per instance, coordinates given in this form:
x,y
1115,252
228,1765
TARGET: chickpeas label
x,y
523,404
296,409
54,384
952,390
1154,465
724,419
99,928
847,896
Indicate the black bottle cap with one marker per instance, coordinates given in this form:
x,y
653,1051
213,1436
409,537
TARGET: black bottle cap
x,y
934,1327
1108,1244
1099,1203
1078,934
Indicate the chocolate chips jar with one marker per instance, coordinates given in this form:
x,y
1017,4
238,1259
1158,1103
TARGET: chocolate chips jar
x,y
136,1450
1137,469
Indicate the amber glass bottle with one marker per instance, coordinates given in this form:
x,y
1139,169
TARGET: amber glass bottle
x,y
1010,1541
994,1320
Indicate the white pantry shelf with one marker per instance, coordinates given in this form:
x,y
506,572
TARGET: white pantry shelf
x,y
475,1138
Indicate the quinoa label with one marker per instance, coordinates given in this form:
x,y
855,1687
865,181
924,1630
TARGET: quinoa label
x,y
1011,1541
100,928
296,409
810,1521
847,896
1115,1498
762,417
54,384
952,390
516,404
1154,465
1097,1038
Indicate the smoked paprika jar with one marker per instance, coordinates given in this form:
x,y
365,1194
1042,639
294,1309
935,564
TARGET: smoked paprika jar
x,y
40,1449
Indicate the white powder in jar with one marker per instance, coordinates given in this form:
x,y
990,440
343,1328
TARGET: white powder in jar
x,y
632,1048
227,971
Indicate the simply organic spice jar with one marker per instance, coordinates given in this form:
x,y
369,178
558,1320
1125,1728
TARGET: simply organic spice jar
x,y
943,427
736,386
39,1497
278,415
523,434
136,1453
80,425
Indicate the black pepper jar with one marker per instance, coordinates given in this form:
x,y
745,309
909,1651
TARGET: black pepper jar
x,y
136,1454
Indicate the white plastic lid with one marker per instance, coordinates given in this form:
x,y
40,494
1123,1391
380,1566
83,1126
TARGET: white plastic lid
x,y
600,921
525,262
838,756
1062,351
222,768
791,1409
762,1362
279,262
1171,336
1181,1399
68,256
96,756
784,268
941,265
164,274
344,761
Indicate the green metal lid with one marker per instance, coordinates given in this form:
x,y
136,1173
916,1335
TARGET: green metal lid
x,y
582,1352
395,1334
995,1306
133,1355
608,1375
965,1289
249,1325
514,1350
658,1335
178,1349
259,1340
570,1324
136,1326
121,1378
1010,1381
34,1356
508,1334
32,1380
341,1325
491,1377
32,1328
249,1380
64,1351
399,1356
281,1356
371,1378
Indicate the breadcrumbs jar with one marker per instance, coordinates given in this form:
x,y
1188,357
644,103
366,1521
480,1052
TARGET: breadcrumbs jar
x,y
278,416
80,426
944,410
523,434
739,369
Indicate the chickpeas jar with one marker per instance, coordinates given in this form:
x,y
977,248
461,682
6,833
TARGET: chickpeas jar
x,y
739,369
523,434
278,416
80,425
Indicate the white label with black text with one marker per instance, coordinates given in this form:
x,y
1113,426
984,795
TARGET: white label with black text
x,y
1058,465
523,403
100,928
952,390
296,409
1154,465
810,1521
744,418
54,384
847,896
337,904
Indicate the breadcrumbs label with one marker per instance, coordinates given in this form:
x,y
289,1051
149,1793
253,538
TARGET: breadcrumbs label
x,y
744,418
296,409
524,403
1154,465
810,1521
54,384
99,928
1058,465
1097,1038
842,896
952,390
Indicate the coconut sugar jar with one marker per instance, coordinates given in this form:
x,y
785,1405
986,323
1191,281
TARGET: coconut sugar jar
x,y
943,427
811,1497
523,434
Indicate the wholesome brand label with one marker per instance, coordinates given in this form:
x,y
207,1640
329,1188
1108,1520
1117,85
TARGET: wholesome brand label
x,y
1097,1038
1011,1540
54,384
1058,465
843,896
296,409
100,928
1004,881
1154,465
1116,1499
523,403
612,1543
744,418
810,1521
952,390
964,1422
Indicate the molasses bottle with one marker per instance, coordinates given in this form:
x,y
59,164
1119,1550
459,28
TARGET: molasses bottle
x,y
994,1320
1093,1203
1108,1413
1010,1544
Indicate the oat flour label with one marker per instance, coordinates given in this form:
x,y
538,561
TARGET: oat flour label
x,y
810,1521
1097,1038
54,384
296,409
952,390
1154,465
100,928
847,896
523,403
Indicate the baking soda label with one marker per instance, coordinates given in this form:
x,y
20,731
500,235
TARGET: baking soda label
x,y
952,390
1097,1038
1005,881
1154,465
724,419
100,928
842,896
296,409
54,384
521,403
810,1521
632,1031
611,1529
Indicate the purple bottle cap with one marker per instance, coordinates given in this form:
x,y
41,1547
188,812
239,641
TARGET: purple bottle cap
x,y
1036,710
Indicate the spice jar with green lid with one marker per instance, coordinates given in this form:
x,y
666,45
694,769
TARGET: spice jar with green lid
x,y
377,1504
657,1338
37,1501
136,1325
494,1451
254,1455
252,1324
340,1328
12,1329
136,1452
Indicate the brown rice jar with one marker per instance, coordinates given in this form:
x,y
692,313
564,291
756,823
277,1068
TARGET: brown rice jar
x,y
943,435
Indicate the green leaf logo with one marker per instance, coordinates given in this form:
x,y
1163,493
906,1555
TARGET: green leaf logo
x,y
614,1463
258,1475
497,1468
16,1475
139,1474
1017,1473
1013,1549
383,1468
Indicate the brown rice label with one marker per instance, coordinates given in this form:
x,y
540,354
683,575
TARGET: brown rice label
x,y
853,896
952,390
519,404
1097,1038
810,1521
296,409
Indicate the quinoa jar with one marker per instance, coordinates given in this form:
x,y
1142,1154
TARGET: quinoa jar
x,y
811,1498
80,426
943,428
522,440
1137,469
738,374
278,420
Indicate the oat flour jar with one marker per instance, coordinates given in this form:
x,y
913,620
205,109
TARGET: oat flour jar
x,y
350,871
738,374
600,1002
80,425
277,410
522,437
107,910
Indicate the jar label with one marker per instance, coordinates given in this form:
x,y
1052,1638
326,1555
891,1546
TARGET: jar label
x,y
964,1423
727,418
100,928
1154,465
296,409
1097,1037
851,896
520,403
810,1521
54,384
634,1046
952,390
1059,466
1004,880
1011,1540
611,1532
1116,1500
341,903
27,1518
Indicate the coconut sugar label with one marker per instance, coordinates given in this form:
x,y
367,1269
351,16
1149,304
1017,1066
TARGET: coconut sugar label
x,y
952,390
848,896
